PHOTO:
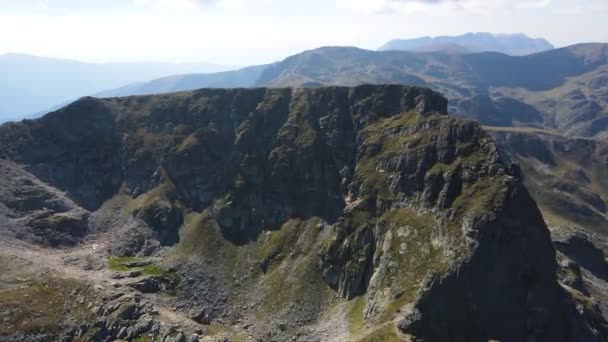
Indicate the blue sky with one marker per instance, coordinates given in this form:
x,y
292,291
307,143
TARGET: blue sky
x,y
243,32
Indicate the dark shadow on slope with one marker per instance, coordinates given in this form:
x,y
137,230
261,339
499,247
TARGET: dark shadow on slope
x,y
75,149
581,250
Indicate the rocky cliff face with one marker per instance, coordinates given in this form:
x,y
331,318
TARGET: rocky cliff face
x,y
255,157
266,201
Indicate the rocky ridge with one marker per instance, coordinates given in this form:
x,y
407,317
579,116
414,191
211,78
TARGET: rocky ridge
x,y
261,205
562,89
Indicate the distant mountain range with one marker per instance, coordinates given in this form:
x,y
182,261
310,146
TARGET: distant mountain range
x,y
511,44
562,89
245,77
31,84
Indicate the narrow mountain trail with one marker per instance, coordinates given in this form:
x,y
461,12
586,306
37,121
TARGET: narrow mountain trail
x,y
57,260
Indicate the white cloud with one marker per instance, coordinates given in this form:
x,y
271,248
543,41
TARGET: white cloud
x,y
582,9
533,4
174,4
198,30
438,6
194,4
43,5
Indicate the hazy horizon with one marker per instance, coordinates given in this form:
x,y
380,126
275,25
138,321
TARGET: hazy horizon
x,y
240,32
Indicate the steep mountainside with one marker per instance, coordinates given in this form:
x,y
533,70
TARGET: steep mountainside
x,y
510,44
29,83
563,89
339,214
567,178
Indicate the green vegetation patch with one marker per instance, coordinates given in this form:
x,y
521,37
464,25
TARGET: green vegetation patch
x,y
306,133
356,319
390,138
354,222
121,264
228,332
441,168
145,141
147,200
411,256
143,338
404,264
481,197
298,281
385,333
201,236
282,240
299,130
43,306
190,141
153,270
397,120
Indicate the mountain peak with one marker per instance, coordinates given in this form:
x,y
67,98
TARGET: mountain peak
x,y
511,44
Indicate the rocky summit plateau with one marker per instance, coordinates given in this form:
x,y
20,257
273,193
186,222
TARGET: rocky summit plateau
x,y
319,214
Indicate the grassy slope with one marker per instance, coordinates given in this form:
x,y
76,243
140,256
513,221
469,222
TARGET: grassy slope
x,y
35,302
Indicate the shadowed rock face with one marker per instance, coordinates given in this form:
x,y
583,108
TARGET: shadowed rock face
x,y
53,219
584,253
256,157
426,225
76,149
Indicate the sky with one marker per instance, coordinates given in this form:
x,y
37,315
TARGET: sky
x,y
246,32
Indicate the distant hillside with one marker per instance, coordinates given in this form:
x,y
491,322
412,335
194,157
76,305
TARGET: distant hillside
x,y
511,44
245,77
566,176
563,89
31,84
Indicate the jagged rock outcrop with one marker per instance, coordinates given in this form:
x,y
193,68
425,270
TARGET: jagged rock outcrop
x,y
441,183
582,267
282,195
